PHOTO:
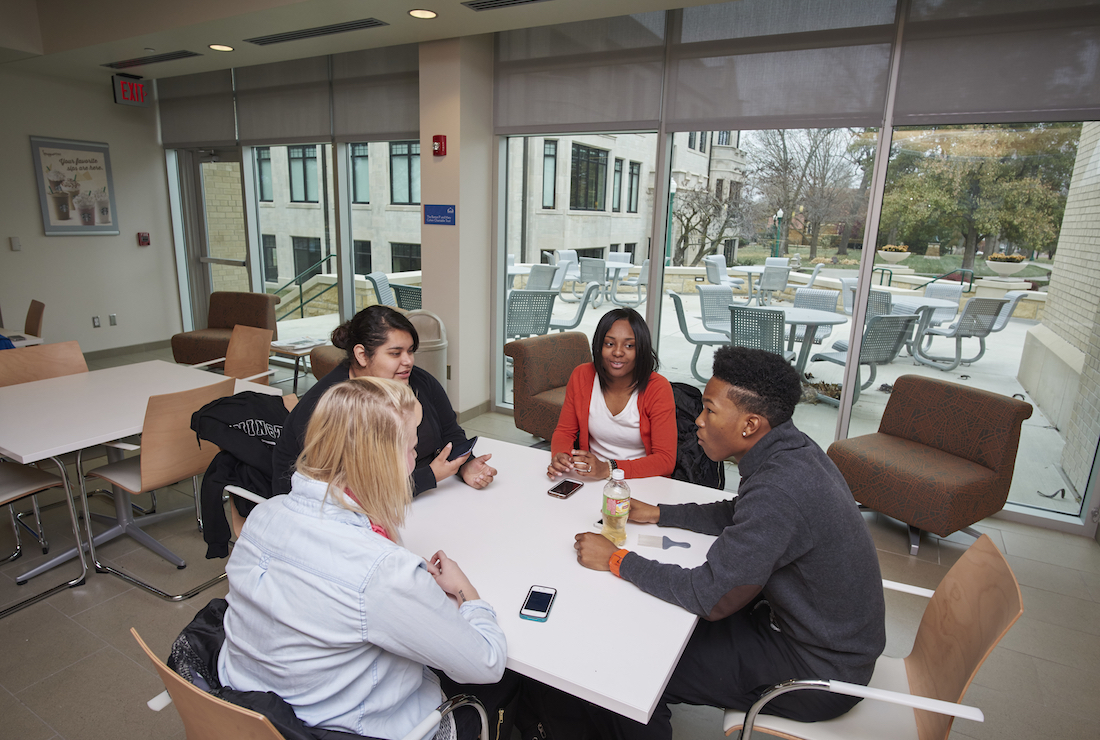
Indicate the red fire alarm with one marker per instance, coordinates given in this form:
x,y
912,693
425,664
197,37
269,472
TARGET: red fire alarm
x,y
439,146
143,238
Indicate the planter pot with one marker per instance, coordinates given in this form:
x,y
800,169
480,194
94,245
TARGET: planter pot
x,y
1004,269
892,257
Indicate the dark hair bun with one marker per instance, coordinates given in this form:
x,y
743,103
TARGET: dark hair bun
x,y
341,335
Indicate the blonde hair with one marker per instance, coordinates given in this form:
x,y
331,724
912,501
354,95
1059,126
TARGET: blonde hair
x,y
357,439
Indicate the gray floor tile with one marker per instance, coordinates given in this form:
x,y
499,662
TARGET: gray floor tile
x,y
20,722
39,641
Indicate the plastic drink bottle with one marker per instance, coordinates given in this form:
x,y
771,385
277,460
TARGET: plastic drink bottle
x,y
616,508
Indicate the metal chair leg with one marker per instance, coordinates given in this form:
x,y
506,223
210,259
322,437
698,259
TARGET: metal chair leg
x,y
18,553
914,539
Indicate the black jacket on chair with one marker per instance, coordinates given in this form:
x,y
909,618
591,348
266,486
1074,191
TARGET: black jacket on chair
x,y
692,464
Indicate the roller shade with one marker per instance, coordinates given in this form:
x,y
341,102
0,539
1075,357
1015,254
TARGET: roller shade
x,y
376,94
284,102
197,110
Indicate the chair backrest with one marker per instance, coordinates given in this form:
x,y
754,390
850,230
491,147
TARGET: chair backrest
x,y
883,337
813,275
716,268
947,292
593,270
206,717
620,257
41,361
879,303
848,293
569,257
529,312
228,308
643,274
590,292
248,353
511,260
776,261
33,324
978,317
560,269
758,328
408,297
773,277
1013,297
324,359
680,317
972,609
541,277
382,290
822,300
170,452
714,305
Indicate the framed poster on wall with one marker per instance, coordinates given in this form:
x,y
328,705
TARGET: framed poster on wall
x,y
75,189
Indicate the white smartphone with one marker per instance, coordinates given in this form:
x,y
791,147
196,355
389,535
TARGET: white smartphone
x,y
536,606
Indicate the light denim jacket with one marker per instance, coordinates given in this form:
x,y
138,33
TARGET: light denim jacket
x,y
341,622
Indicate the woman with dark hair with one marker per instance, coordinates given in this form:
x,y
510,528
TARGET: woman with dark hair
x,y
381,343
618,412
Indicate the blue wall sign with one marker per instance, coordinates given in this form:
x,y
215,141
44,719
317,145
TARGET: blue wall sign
x,y
439,215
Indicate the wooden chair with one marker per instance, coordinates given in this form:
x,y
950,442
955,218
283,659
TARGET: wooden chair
x,y
33,324
236,519
247,356
917,697
170,452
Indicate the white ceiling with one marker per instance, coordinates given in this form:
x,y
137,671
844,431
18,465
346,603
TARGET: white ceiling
x,y
77,37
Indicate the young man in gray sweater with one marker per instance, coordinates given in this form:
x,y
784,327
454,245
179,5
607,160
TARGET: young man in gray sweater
x,y
790,589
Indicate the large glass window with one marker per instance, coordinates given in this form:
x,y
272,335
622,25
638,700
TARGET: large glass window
x,y
360,173
271,259
617,187
703,142
723,138
406,257
549,173
264,191
307,255
362,257
588,178
635,186
405,173
303,173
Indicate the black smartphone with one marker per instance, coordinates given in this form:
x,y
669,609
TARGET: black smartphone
x,y
565,488
462,448
536,606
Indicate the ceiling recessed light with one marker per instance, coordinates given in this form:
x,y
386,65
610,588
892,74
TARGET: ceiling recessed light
x,y
221,47
422,14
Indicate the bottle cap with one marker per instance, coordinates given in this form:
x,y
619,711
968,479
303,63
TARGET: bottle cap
x,y
617,474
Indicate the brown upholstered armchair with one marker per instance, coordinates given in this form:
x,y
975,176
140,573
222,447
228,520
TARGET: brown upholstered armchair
x,y
226,311
942,458
542,366
324,359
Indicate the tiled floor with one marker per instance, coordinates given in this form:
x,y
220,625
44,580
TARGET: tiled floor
x,y
69,668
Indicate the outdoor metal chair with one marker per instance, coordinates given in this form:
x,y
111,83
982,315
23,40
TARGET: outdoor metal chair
x,y
572,269
714,303
561,269
408,297
777,262
382,291
715,265
821,300
879,303
541,277
882,339
774,278
592,270
947,292
976,321
639,282
848,294
810,284
699,339
589,293
758,328
528,313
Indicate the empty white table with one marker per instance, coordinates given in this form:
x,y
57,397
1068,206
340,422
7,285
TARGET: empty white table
x,y
923,307
606,641
20,339
49,418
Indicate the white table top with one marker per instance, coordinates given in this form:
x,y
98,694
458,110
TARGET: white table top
x,y
919,301
810,316
60,415
513,535
747,269
20,339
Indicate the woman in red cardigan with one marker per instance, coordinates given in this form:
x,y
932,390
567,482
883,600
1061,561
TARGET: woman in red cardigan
x,y
618,412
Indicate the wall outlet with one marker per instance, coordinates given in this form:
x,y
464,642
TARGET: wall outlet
x,y
95,322
113,319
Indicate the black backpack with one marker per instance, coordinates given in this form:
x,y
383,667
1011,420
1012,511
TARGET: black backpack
x,y
692,464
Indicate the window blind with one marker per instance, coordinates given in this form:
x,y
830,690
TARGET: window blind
x,y
284,102
197,110
376,94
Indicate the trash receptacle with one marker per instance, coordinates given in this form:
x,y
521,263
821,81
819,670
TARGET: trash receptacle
x,y
431,355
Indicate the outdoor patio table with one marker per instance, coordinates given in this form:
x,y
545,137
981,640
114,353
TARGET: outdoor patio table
x,y
749,271
923,307
810,317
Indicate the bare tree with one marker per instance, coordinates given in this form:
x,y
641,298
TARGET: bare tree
x,y
828,191
780,169
704,222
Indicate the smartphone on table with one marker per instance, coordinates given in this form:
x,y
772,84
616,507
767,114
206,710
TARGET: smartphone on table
x,y
462,448
536,606
565,488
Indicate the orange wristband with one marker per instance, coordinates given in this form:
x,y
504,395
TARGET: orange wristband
x,y
616,560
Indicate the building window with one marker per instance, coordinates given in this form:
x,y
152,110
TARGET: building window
x,y
593,252
303,173
360,174
617,187
405,174
719,187
549,174
263,173
307,255
361,257
631,248
406,257
691,140
635,184
588,180
703,141
723,138
271,258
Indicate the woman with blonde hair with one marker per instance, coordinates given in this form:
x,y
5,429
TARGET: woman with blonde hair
x,y
326,608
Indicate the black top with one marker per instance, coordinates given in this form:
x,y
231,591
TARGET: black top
x,y
438,427
795,530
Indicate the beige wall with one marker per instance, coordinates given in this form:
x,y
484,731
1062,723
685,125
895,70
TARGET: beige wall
x,y
81,276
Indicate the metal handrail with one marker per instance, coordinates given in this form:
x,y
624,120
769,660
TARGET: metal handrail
x,y
969,274
301,296
887,273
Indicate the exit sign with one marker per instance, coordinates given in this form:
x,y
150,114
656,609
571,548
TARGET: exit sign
x,y
130,90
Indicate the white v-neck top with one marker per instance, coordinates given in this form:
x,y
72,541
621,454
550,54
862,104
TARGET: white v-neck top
x,y
614,436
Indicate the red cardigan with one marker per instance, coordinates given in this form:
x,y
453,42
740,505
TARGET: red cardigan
x,y
656,408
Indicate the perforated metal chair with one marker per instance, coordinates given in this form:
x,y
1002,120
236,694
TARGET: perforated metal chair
x,y
774,278
848,293
528,313
820,300
810,283
382,291
882,339
592,270
715,265
777,262
568,257
947,292
714,303
758,328
1013,297
541,277
639,282
879,303
589,295
408,297
698,338
976,321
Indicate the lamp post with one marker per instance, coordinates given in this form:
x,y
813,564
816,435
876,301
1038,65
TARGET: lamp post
x,y
778,229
